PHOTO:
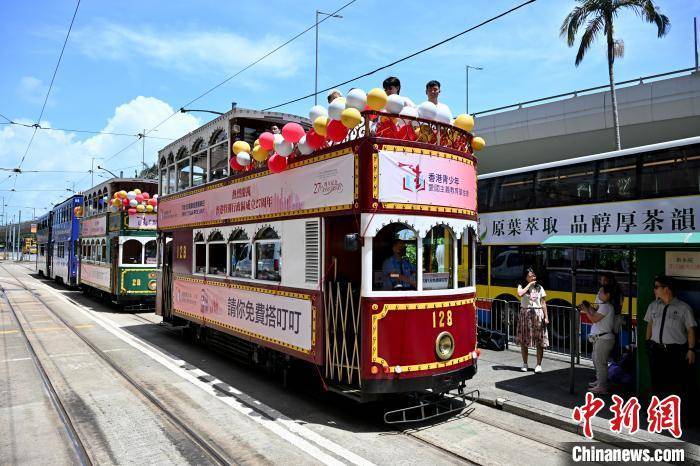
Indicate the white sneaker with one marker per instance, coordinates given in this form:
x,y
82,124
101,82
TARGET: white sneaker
x,y
538,369
524,368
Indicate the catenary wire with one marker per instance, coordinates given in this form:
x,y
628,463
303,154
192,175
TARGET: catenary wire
x,y
407,57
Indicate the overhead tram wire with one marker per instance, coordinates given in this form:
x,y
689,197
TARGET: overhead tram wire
x,y
70,130
407,57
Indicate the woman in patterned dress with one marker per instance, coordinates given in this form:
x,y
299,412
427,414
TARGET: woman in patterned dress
x,y
532,319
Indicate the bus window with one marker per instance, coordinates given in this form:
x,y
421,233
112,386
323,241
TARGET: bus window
x,y
671,173
268,256
216,251
131,252
240,255
149,254
483,194
516,192
482,268
565,185
200,254
617,179
438,260
509,262
394,258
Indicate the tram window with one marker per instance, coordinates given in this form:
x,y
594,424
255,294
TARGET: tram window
x,y
240,252
163,180
131,252
218,164
268,256
105,258
199,168
183,170
200,254
671,173
465,259
394,258
98,252
172,183
216,249
438,259
149,254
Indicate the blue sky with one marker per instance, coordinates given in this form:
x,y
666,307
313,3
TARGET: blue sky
x,y
128,64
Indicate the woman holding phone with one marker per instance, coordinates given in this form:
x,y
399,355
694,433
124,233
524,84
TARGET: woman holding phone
x,y
602,315
532,319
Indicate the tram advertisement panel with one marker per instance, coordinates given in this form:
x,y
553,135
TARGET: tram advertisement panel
x,y
95,275
428,179
143,221
328,183
285,319
96,226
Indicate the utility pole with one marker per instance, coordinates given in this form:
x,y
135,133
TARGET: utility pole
x,y
143,149
19,231
695,43
467,68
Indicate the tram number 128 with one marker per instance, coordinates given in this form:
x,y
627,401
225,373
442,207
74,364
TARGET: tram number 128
x,y
442,319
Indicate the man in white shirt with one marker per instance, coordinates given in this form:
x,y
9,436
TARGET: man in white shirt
x,y
432,90
392,86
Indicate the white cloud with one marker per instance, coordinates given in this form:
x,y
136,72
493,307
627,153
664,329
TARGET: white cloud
x,y
61,150
199,52
32,89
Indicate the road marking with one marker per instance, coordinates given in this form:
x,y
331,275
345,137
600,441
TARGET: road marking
x,y
281,425
15,360
5,332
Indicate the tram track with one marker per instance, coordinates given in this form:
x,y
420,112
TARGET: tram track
x,y
211,451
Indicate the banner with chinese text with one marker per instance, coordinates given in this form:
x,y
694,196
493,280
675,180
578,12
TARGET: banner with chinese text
x,y
96,226
665,215
143,221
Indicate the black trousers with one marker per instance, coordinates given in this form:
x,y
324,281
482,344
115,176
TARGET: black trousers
x,y
670,373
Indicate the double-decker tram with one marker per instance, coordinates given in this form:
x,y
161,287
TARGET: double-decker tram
x,y
356,257
43,240
118,244
63,245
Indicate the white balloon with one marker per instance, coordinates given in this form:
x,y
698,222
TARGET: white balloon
x,y
427,110
394,104
317,111
155,196
243,158
409,112
284,148
356,99
133,203
444,115
336,108
131,195
303,147
278,138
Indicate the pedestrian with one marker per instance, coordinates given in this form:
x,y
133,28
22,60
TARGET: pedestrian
x,y
602,315
532,319
670,338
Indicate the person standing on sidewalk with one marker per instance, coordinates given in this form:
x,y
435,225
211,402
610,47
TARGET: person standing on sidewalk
x,y
532,319
670,339
602,315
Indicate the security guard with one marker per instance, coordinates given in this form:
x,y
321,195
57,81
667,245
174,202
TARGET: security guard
x,y
670,340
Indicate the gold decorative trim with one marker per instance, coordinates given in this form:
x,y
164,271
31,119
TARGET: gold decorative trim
x,y
123,290
375,175
428,208
436,153
288,294
412,307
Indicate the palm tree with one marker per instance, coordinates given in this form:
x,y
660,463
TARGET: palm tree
x,y
599,16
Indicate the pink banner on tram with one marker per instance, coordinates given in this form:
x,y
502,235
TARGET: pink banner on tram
x,y
95,275
329,183
143,221
96,226
283,320
426,179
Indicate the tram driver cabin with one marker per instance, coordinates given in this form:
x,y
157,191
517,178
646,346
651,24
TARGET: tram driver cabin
x,y
293,264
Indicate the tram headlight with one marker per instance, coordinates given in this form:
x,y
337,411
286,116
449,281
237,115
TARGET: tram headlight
x,y
444,346
152,285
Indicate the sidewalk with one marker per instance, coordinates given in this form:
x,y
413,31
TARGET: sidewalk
x,y
545,397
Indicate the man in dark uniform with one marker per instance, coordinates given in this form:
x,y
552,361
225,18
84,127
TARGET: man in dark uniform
x,y
670,340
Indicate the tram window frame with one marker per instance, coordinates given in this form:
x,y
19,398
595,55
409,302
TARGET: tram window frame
x,y
199,252
98,251
153,258
267,236
218,171
134,256
216,247
105,256
183,166
200,155
471,258
430,258
414,246
238,240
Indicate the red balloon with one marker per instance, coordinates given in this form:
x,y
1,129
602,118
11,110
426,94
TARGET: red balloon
x,y
132,211
146,195
336,131
315,140
235,166
292,132
276,163
139,198
267,140
152,202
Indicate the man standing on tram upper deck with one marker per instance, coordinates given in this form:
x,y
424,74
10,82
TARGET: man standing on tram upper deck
x,y
392,86
432,90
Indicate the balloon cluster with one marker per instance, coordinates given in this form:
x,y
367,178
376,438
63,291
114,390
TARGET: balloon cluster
x,y
134,202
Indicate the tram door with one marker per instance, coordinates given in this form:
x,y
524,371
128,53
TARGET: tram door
x,y
165,277
114,269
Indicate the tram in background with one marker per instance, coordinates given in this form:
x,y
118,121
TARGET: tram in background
x,y
63,246
293,264
118,249
43,239
647,189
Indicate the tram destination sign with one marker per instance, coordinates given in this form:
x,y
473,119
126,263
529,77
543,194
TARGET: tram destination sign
x,y
303,189
664,215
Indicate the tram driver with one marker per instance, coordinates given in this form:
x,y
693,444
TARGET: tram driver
x,y
398,273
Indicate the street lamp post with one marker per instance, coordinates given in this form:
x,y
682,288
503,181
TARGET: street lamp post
x,y
467,68
103,168
316,74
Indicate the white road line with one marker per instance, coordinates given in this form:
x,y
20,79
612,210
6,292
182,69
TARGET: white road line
x,y
283,426
15,360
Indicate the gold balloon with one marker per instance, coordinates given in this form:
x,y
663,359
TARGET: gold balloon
x,y
464,121
320,125
350,117
137,191
478,143
376,99
260,154
117,202
140,208
149,208
241,146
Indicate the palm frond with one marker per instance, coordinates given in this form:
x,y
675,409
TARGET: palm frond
x,y
592,30
647,10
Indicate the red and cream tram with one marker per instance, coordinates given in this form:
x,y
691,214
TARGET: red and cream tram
x,y
357,257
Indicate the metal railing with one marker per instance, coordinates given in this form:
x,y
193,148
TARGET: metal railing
x,y
502,316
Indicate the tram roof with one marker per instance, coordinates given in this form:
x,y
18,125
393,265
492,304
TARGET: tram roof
x,y
97,187
221,123
594,157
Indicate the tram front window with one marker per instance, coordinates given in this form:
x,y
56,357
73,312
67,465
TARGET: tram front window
x,y
131,252
394,260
